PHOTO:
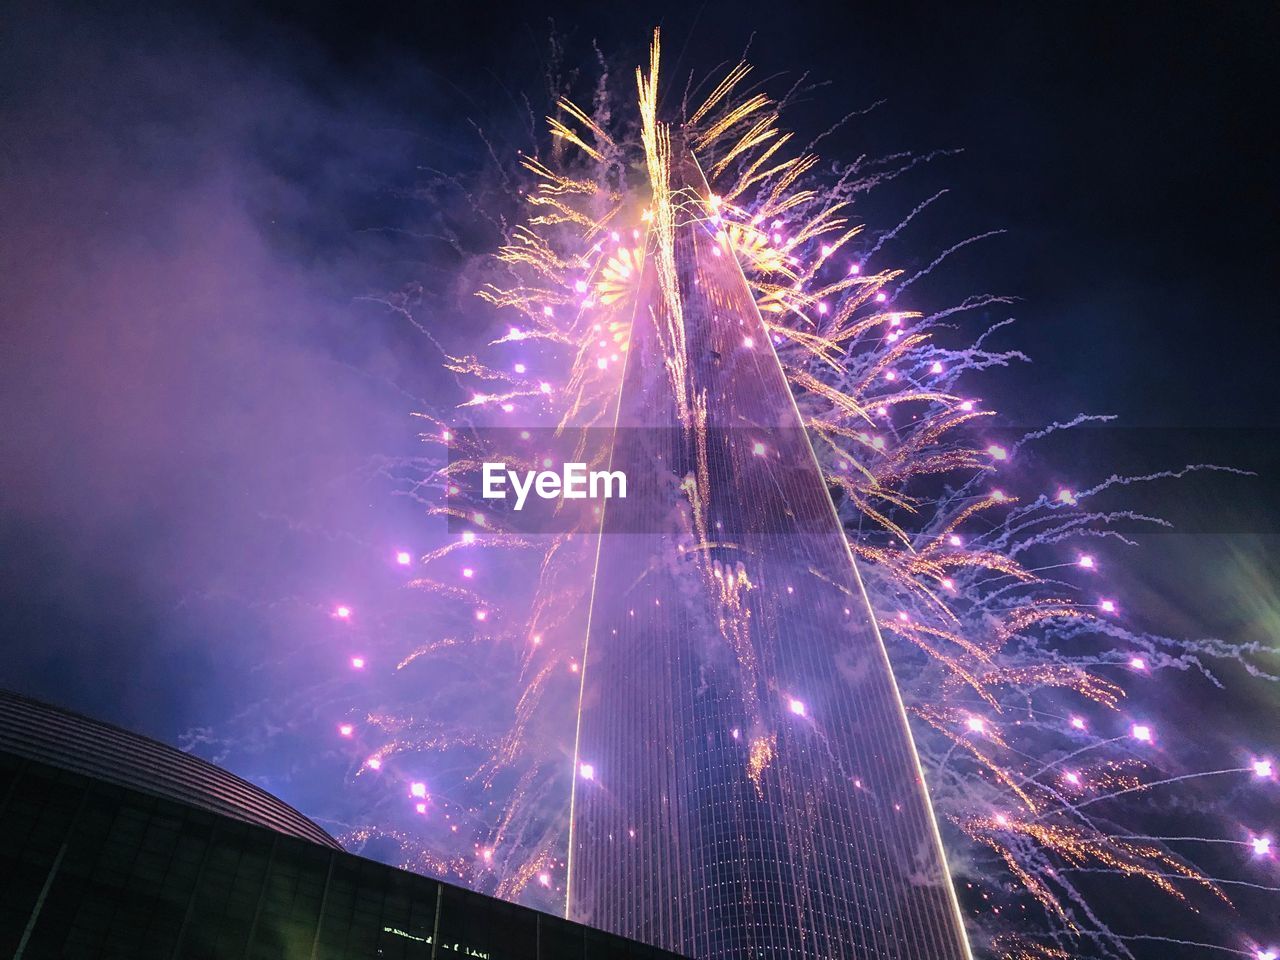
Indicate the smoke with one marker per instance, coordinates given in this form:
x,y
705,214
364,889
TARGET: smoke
x,y
194,394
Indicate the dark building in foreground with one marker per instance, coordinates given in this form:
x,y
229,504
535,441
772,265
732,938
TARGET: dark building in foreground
x,y
116,846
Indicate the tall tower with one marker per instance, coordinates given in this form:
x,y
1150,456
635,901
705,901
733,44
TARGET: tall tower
x,y
746,783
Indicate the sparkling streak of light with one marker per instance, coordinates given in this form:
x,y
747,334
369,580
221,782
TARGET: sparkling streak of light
x,y
980,641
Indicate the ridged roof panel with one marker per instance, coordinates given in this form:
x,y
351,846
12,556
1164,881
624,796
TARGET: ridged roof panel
x,y
40,731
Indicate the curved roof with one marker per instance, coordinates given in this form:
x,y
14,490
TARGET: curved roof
x,y
60,738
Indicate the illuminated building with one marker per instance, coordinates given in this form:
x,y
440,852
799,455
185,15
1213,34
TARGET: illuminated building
x,y
117,846
753,788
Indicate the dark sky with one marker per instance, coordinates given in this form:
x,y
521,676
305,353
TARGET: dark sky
x,y
197,403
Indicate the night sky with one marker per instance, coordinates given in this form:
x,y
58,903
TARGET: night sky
x,y
197,207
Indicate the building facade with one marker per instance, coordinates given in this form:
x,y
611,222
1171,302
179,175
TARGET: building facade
x,y
747,785
115,846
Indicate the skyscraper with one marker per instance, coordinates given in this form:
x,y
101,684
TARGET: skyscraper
x,y
746,782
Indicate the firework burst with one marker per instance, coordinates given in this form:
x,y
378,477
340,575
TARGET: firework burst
x,y
1015,670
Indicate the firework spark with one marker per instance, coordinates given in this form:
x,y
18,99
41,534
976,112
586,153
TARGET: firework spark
x,y
987,636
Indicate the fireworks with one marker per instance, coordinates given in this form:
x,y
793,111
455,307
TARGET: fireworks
x,y
990,652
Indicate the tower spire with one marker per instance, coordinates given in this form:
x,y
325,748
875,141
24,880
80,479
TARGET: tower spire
x,y
754,787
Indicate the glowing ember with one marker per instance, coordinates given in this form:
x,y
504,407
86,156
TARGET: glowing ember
x,y
984,625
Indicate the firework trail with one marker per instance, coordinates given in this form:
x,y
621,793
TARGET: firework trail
x,y
1014,661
